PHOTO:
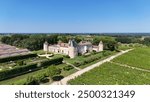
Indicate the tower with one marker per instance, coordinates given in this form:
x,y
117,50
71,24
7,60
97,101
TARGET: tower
x,y
45,46
100,46
73,50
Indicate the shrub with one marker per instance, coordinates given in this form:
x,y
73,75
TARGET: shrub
x,y
67,68
77,64
57,77
31,81
41,77
52,71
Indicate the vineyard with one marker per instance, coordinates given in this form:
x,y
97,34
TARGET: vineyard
x,y
139,57
112,73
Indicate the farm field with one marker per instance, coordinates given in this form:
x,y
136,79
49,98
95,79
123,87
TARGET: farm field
x,y
139,57
112,74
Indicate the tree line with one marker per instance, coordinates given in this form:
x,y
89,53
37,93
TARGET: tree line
x,y
31,42
35,41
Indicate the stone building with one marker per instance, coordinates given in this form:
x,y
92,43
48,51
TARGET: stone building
x,y
72,49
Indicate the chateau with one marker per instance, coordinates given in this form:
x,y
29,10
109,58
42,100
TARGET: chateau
x,y
72,49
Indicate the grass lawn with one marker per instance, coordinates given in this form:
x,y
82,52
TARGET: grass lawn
x,y
39,52
139,57
111,74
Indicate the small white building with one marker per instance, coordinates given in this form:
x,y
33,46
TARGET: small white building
x,y
72,48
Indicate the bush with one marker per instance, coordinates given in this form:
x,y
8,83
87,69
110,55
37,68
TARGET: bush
x,y
67,68
52,71
35,80
31,81
77,64
41,77
57,77
13,58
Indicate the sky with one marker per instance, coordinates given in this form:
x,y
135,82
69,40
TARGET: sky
x,y
74,16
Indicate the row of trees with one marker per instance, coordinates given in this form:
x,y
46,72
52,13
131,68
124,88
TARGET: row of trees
x,y
133,39
35,42
31,42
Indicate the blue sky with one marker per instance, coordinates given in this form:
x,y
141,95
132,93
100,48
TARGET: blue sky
x,y
74,16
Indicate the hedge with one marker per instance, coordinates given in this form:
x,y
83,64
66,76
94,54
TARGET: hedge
x,y
17,71
13,58
40,77
92,58
54,61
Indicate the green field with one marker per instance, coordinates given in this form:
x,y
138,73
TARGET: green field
x,y
111,74
139,57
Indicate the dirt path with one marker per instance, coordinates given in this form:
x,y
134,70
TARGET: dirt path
x,y
80,72
71,65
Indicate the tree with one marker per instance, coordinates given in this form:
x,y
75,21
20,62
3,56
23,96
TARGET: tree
x,y
53,71
109,42
63,38
123,39
31,81
6,40
31,42
147,41
111,45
